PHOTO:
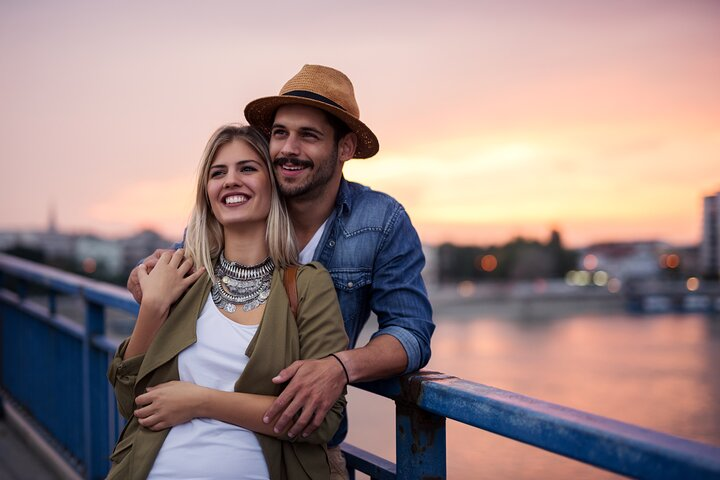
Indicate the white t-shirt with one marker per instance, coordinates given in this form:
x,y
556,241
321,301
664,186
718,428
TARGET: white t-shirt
x,y
205,448
308,252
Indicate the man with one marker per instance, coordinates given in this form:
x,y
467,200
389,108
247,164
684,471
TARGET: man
x,y
363,238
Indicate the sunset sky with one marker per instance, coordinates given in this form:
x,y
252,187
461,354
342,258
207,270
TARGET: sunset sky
x,y
496,119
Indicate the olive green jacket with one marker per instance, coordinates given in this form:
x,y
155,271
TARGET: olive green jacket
x,y
280,340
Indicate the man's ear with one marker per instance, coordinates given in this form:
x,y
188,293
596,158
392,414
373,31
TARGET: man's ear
x,y
347,146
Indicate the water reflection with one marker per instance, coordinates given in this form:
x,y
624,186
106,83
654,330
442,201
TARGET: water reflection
x,y
656,371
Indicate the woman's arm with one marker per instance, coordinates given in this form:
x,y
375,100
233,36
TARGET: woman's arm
x,y
173,403
160,289
321,333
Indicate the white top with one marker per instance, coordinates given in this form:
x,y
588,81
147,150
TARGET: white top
x,y
205,448
308,252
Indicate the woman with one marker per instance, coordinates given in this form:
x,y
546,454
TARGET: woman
x,y
194,378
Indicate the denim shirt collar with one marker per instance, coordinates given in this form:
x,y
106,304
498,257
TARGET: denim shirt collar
x,y
343,205
343,201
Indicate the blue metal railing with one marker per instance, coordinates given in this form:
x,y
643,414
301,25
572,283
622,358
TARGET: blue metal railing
x,y
52,365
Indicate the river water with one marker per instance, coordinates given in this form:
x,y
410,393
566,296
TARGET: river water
x,y
657,371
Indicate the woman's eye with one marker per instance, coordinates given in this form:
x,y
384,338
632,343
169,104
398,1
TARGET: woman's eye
x,y
215,173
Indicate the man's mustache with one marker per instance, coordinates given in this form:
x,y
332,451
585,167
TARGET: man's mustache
x,y
293,162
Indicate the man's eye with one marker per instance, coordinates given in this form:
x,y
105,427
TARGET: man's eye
x,y
278,132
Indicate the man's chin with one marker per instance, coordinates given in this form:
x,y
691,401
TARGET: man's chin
x,y
290,191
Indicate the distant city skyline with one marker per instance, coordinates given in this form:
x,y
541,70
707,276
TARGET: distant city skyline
x,y
496,119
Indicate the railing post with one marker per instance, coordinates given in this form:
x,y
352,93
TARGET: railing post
x,y
420,436
420,443
94,402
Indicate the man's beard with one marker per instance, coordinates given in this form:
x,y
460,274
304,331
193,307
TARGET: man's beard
x,y
319,174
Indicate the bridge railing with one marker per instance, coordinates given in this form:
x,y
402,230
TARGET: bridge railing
x,y
53,365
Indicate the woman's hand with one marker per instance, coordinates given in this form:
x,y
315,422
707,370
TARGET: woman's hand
x,y
170,404
167,280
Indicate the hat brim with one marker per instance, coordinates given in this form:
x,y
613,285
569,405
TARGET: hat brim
x,y
260,114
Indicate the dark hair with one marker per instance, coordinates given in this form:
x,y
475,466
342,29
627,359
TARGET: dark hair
x,y
340,128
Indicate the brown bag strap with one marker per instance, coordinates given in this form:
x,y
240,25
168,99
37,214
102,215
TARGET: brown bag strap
x,y
290,283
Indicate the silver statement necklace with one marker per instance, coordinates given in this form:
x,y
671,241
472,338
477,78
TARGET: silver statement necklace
x,y
244,285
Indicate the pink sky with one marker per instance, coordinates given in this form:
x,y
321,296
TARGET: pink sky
x,y
601,119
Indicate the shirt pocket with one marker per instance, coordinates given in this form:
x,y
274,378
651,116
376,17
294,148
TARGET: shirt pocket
x,y
349,280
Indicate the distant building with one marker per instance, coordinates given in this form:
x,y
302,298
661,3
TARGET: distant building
x,y
94,253
710,244
140,245
624,260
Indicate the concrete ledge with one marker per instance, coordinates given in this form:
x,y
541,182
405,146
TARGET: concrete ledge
x,y
24,429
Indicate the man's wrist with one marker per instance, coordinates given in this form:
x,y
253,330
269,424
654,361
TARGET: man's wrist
x,y
342,365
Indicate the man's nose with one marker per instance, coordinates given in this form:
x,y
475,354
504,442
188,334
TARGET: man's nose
x,y
290,146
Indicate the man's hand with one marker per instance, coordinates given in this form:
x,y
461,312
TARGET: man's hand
x,y
169,404
315,386
133,283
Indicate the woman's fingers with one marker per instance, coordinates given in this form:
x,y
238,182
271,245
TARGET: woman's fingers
x,y
177,257
192,278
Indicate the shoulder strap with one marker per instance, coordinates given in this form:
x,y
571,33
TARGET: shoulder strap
x,y
290,283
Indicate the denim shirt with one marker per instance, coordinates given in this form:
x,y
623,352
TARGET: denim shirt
x,y
375,258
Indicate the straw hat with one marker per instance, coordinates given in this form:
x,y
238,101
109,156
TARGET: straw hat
x,y
320,87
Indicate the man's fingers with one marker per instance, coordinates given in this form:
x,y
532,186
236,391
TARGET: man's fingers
x,y
287,416
286,396
288,372
316,421
133,285
142,272
302,421
278,406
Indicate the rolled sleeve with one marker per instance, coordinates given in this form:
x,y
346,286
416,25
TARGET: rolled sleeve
x,y
399,298
122,375
413,349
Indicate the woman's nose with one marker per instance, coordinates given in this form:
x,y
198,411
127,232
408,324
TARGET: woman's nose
x,y
232,179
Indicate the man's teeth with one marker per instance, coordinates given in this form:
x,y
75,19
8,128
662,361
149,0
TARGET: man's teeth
x,y
235,199
293,167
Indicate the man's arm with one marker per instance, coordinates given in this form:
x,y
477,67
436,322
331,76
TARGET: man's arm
x,y
382,357
316,384
402,344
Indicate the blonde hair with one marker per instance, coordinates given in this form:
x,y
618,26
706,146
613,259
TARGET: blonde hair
x,y
204,238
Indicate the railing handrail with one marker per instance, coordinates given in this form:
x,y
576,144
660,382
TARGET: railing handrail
x,y
606,443
619,447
